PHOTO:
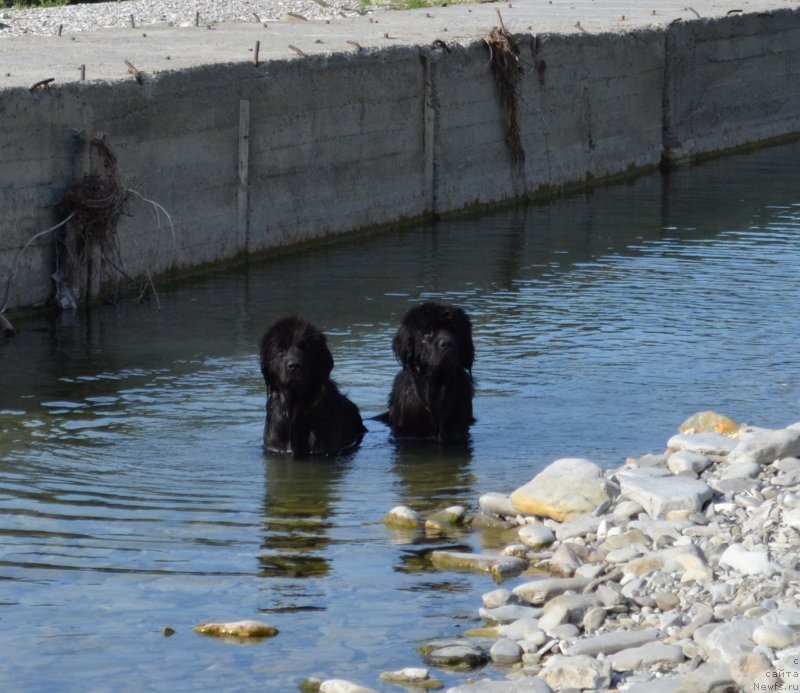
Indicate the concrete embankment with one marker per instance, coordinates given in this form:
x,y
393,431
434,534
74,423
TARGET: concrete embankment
x,y
351,124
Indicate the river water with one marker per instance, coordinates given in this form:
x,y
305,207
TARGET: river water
x,y
134,495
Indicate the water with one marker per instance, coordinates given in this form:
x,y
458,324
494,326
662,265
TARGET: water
x,y
134,495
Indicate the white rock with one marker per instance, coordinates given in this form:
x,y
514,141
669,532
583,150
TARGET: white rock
x,y
746,562
773,635
611,642
740,470
661,496
498,597
540,591
728,640
646,656
686,461
566,608
342,686
497,504
578,527
576,672
767,446
791,518
505,652
536,535
526,684
702,443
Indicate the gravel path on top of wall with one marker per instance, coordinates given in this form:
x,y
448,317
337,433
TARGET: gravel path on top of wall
x,y
90,16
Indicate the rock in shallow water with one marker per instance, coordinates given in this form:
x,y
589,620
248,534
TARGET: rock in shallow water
x,y
566,488
237,629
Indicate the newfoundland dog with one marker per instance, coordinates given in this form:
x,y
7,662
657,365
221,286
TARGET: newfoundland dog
x,y
432,395
306,413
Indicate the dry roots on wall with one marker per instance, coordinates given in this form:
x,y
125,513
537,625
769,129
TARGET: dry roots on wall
x,y
87,245
87,252
507,71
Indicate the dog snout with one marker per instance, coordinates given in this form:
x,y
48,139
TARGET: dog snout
x,y
293,365
445,342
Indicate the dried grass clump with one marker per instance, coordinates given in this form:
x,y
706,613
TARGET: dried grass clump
x,y
507,70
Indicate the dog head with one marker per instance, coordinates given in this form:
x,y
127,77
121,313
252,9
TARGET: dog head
x,y
434,336
295,356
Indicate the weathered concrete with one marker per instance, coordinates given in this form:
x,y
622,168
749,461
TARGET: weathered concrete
x,y
372,121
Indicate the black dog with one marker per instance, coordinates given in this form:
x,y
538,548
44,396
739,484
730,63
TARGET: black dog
x,y
432,396
306,413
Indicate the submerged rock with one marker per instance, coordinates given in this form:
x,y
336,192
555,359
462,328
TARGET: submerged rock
x,y
237,629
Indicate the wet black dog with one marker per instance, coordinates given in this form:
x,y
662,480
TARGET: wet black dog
x,y
432,395
306,413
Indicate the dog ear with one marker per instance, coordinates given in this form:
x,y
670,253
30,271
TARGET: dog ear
x,y
323,359
263,355
462,328
403,345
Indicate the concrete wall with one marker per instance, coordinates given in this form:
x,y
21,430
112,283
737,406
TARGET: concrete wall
x,y
298,149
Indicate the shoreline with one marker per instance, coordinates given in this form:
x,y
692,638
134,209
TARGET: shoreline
x,y
675,572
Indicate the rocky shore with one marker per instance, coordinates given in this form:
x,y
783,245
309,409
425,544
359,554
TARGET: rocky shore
x,y
89,16
677,572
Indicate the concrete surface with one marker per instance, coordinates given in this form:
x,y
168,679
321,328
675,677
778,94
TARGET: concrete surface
x,y
370,121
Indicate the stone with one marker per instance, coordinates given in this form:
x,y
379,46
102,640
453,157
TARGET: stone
x,y
613,641
521,629
738,558
710,422
579,526
702,443
342,686
505,652
445,520
565,489
652,654
593,619
526,684
566,608
403,517
748,668
774,635
498,597
707,678
766,446
407,675
501,566
540,591
565,560
740,470
457,654
582,672
237,629
791,518
723,642
536,535
688,561
685,461
660,496
497,504
509,613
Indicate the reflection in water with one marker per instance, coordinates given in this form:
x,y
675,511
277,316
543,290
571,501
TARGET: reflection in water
x,y
134,494
298,516
432,475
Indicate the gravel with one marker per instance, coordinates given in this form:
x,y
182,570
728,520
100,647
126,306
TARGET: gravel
x,y
46,21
